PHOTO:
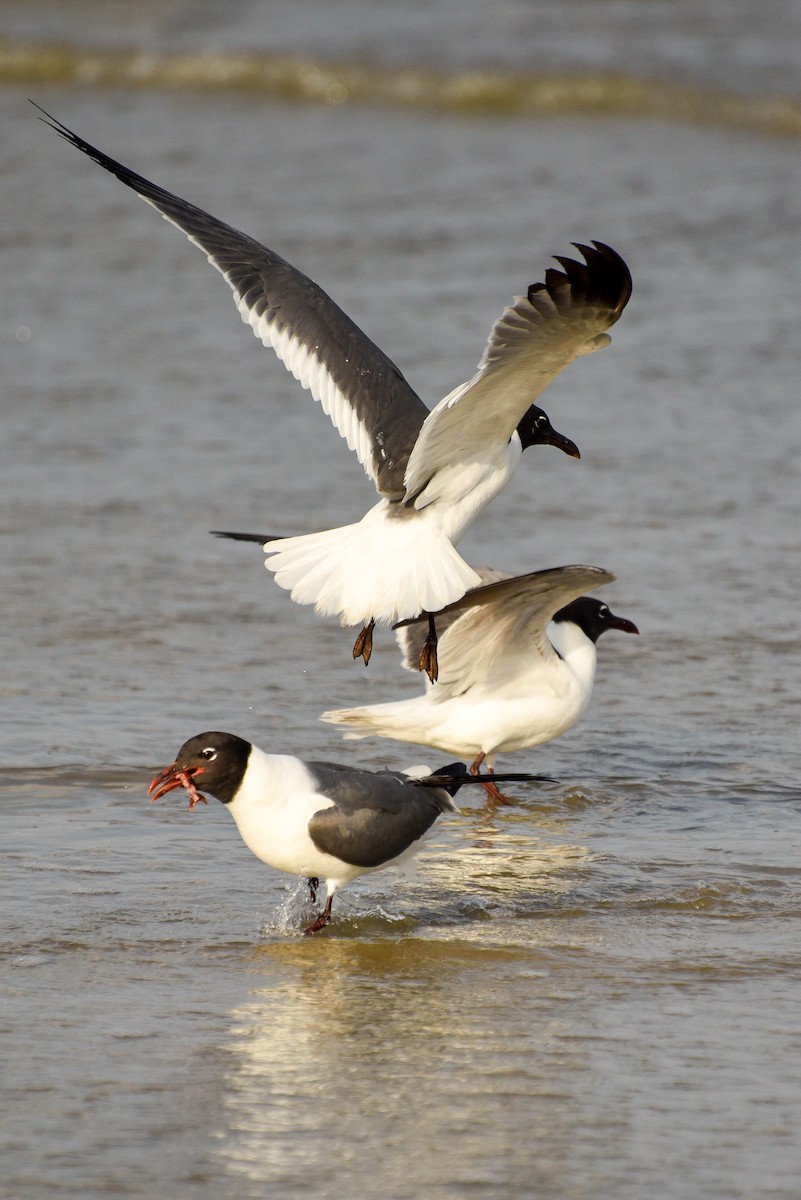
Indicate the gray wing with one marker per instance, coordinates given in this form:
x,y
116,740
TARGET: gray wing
x,y
530,343
411,636
361,390
375,816
501,621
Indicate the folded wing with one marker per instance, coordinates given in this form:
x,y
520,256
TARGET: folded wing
x,y
374,816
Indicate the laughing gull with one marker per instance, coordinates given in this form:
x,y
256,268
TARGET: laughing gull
x,y
320,820
517,666
434,471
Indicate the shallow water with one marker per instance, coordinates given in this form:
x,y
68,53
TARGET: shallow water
x,y
592,993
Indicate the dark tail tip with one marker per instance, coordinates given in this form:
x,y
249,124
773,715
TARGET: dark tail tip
x,y
455,775
260,538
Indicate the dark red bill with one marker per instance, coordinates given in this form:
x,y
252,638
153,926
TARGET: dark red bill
x,y
622,624
562,443
176,776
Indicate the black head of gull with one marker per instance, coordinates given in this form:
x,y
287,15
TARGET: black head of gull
x,y
593,617
434,471
314,819
517,667
536,430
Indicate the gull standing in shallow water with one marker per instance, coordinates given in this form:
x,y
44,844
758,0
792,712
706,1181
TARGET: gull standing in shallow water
x,y
315,819
517,666
434,471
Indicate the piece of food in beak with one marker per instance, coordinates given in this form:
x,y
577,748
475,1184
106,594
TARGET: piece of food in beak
x,y
173,777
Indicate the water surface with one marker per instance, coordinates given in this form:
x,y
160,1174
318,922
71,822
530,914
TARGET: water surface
x,y
594,992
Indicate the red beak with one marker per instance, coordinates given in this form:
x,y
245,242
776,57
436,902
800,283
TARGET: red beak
x,y
564,444
622,624
176,776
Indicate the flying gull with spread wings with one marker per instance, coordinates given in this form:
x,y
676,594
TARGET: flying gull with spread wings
x,y
434,470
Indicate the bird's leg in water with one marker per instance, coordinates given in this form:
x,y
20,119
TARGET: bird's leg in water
x,y
492,789
323,919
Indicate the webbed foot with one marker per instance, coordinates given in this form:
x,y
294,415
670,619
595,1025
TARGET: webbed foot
x,y
363,646
322,920
428,655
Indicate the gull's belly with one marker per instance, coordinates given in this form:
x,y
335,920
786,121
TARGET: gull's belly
x,y
499,723
459,492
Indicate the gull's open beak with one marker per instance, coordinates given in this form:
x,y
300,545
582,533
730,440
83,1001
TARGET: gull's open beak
x,y
176,776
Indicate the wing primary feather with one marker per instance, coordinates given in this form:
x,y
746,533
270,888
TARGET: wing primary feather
x,y
368,399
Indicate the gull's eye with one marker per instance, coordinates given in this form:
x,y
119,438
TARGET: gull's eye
x,y
603,611
209,754
542,422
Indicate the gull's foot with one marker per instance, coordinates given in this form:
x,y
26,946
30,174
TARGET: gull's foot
x,y
363,646
428,655
323,919
497,796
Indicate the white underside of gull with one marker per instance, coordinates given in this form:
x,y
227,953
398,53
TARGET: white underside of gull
x,y
519,707
272,810
397,562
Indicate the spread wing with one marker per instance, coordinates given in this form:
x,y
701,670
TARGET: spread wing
x,y
500,621
361,390
530,343
411,636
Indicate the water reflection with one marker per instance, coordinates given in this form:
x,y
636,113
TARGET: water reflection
x,y
400,1067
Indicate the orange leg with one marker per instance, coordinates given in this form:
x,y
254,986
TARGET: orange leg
x,y
323,919
491,788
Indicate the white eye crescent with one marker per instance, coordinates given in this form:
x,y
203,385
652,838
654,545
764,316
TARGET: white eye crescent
x,y
209,753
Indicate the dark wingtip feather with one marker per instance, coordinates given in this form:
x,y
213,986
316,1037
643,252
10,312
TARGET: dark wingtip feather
x,y
610,270
137,183
69,136
603,278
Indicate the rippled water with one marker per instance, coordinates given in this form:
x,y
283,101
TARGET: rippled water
x,y
734,65
593,993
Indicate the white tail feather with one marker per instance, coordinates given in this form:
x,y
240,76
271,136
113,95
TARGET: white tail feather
x,y
385,568
378,720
